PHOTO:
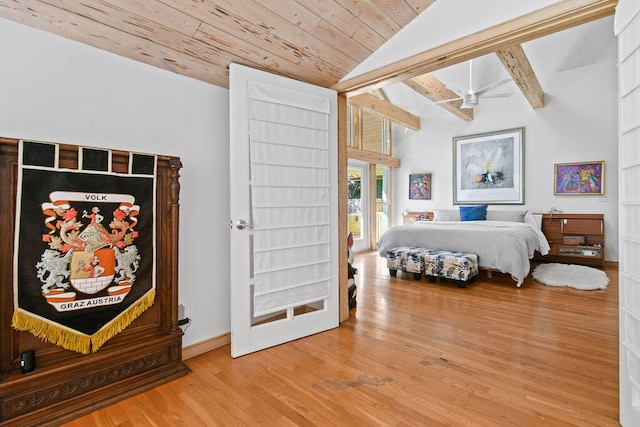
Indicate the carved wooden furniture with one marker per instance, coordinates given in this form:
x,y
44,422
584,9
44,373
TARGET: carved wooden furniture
x,y
66,384
574,238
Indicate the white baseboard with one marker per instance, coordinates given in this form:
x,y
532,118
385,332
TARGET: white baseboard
x,y
202,347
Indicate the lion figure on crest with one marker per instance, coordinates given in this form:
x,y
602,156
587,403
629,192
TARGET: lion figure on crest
x,y
128,262
57,266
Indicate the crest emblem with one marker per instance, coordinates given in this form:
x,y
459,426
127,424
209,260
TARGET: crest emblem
x,y
85,257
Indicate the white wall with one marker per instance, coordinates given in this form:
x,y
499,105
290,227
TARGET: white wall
x,y
57,90
444,22
578,123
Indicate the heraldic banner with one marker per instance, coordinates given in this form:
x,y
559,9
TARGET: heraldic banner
x,y
84,265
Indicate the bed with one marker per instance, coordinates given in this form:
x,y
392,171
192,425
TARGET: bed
x,y
501,243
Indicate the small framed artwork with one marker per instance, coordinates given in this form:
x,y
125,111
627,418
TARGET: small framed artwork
x,y
582,178
489,168
420,186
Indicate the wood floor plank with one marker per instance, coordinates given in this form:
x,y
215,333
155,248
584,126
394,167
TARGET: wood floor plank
x,y
413,353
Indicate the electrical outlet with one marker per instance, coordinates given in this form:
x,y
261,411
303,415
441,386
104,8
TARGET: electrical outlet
x,y
182,311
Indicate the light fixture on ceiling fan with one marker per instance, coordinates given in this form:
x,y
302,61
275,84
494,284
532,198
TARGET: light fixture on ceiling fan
x,y
471,98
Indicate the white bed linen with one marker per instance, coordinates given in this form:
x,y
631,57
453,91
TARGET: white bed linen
x,y
501,245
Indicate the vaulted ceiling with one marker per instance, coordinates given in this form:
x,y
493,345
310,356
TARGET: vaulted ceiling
x,y
316,41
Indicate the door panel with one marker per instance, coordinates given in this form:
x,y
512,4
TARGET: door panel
x,y
628,31
284,216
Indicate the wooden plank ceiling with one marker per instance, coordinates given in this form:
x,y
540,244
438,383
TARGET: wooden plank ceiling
x,y
315,41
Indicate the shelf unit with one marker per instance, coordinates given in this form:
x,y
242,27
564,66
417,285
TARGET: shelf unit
x,y
574,238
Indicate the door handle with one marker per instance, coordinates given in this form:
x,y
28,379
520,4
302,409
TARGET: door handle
x,y
241,224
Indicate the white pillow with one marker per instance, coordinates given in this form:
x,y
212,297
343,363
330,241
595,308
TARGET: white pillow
x,y
446,215
504,215
534,220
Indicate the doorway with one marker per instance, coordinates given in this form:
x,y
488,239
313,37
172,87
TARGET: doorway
x,y
357,204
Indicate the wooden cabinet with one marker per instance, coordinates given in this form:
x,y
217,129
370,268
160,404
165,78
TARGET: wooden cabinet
x,y
574,238
147,353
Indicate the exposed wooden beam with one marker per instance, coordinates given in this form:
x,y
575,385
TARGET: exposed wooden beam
x,y
386,109
434,90
551,19
379,93
371,157
516,62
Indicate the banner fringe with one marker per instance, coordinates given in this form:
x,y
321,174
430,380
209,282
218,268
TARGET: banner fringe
x,y
52,333
118,324
75,341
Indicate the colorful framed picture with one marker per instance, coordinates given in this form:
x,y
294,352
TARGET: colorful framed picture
x,y
489,168
420,186
582,178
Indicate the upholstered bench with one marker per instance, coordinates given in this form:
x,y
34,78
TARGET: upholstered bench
x,y
407,259
460,267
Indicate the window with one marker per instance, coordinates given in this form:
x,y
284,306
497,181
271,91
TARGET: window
x,y
368,131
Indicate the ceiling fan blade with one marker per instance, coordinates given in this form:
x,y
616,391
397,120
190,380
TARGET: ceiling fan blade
x,y
444,101
496,95
493,85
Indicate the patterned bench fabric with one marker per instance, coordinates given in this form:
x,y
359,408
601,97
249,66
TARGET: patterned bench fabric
x,y
451,265
407,259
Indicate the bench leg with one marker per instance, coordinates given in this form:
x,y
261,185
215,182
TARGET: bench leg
x,y
393,273
461,283
417,276
432,279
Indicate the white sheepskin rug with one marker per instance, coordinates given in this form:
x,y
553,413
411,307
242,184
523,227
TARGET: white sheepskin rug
x,y
574,276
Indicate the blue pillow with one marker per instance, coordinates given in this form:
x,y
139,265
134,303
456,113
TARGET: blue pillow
x,y
473,213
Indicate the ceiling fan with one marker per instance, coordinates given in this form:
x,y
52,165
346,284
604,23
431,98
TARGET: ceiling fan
x,y
472,97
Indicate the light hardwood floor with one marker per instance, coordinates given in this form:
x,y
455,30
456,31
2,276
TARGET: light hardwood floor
x,y
413,353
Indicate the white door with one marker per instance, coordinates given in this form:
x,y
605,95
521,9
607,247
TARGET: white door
x,y
627,23
284,209
358,204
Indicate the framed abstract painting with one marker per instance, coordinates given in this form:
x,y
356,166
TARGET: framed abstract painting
x,y
582,178
420,186
489,168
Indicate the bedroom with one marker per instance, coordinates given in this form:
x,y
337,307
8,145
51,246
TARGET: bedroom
x,y
576,124
70,89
